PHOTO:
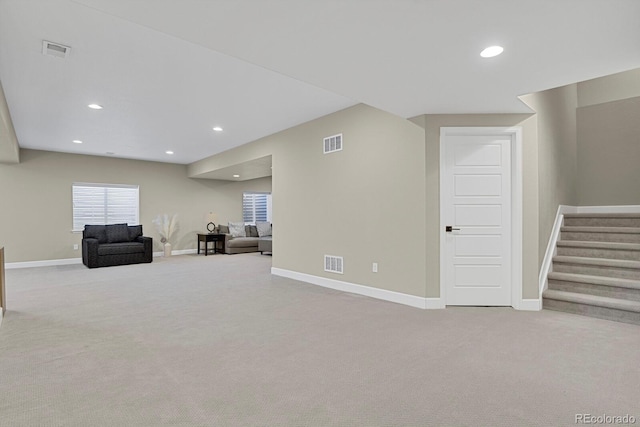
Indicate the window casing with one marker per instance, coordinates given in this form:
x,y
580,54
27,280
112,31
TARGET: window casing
x,y
256,207
105,204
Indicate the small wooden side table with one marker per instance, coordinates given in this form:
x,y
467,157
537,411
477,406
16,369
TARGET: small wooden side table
x,y
211,237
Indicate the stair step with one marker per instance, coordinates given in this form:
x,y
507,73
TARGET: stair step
x,y
621,230
595,249
603,215
595,285
600,245
601,262
595,280
603,234
594,306
615,303
603,219
623,269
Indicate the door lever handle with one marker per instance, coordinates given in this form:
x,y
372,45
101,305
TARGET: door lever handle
x,y
449,228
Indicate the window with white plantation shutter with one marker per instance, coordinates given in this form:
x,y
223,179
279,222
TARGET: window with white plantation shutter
x,y
256,207
105,204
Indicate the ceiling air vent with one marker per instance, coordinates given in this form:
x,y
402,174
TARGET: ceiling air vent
x,y
55,49
333,143
333,264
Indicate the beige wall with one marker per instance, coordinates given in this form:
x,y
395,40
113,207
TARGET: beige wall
x,y
365,203
36,213
609,153
557,155
9,149
609,88
432,124
608,132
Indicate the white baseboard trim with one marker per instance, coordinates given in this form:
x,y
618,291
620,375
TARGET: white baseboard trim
x,y
1,317
434,303
184,252
383,294
180,252
529,305
45,263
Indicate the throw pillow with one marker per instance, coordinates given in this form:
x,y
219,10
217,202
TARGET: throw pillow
x,y
135,231
117,233
237,229
223,229
264,228
95,232
251,231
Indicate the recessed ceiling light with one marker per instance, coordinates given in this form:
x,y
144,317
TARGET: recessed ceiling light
x,y
217,129
169,152
491,51
77,141
95,106
236,176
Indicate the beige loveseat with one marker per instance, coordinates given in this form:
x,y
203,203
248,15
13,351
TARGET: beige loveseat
x,y
240,245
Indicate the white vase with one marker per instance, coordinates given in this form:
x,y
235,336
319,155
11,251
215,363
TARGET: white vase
x,y
167,249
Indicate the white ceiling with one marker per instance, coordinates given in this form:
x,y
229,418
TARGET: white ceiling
x,y
167,71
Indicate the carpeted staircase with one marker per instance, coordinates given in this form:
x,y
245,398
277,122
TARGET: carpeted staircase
x,y
596,271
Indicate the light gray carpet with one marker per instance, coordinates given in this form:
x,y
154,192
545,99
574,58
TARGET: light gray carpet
x,y
217,341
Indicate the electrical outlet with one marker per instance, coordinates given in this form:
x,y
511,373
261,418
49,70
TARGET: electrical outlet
x,y
75,247
374,268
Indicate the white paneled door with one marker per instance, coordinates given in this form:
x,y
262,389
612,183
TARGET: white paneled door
x,y
476,219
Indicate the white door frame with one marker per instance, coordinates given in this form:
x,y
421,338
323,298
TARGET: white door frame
x,y
515,133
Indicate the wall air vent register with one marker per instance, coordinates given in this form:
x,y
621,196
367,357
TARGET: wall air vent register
x,y
333,144
333,264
